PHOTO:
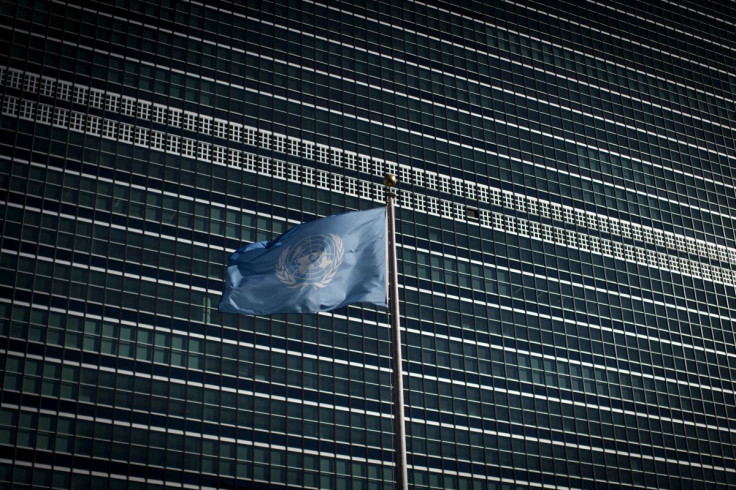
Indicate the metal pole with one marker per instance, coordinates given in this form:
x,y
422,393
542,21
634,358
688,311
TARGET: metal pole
x,y
400,471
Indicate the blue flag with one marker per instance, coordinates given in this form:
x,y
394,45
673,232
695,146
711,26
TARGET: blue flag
x,y
316,266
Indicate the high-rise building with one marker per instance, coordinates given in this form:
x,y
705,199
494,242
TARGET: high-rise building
x,y
566,242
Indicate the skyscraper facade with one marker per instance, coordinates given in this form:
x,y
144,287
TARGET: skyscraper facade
x,y
565,226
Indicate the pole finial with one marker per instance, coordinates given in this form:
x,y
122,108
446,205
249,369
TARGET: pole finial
x,y
390,180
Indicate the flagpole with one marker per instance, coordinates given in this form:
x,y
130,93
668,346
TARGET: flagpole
x,y
400,471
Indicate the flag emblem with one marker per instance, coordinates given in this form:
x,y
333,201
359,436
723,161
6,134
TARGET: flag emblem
x,y
313,262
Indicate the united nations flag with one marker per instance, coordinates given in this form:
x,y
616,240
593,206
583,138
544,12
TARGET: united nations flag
x,y
315,266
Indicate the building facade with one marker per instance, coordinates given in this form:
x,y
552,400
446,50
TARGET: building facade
x,y
566,242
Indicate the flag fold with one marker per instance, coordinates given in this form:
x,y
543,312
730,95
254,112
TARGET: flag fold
x,y
316,266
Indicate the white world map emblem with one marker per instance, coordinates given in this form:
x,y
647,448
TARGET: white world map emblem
x,y
313,261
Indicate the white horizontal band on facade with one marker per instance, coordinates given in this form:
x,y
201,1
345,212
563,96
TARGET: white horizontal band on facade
x,y
215,154
507,223
238,133
232,131
252,136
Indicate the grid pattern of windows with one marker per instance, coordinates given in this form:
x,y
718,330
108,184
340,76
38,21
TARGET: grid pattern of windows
x,y
566,211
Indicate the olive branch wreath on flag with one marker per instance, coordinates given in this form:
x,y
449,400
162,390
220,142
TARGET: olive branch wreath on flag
x,y
289,279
